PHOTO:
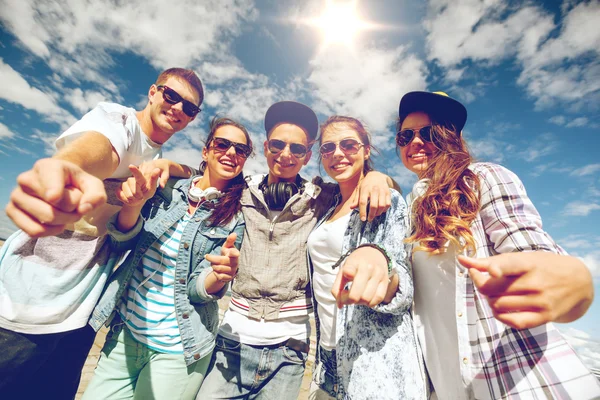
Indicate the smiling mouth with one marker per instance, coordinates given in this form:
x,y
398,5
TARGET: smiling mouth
x,y
418,155
340,166
171,117
228,163
285,165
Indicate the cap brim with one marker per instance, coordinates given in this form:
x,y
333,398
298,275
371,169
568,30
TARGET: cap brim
x,y
295,113
440,108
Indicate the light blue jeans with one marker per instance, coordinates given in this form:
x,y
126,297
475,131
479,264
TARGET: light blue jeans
x,y
240,371
128,369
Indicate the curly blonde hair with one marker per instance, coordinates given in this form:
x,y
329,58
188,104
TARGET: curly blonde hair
x,y
451,202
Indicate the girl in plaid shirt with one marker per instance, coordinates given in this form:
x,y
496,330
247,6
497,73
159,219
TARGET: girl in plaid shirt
x,y
485,334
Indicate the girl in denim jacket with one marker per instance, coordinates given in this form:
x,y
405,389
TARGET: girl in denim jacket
x,y
185,240
362,285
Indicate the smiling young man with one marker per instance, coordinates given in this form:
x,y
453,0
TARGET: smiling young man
x,y
263,340
53,270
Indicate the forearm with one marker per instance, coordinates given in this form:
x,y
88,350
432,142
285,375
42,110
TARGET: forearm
x,y
128,217
93,153
212,284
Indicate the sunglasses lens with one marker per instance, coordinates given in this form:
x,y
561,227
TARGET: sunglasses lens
x,y
425,133
276,146
171,96
242,150
221,144
350,146
327,148
189,109
404,137
298,150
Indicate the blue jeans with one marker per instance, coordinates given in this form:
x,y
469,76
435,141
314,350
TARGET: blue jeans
x,y
325,373
241,371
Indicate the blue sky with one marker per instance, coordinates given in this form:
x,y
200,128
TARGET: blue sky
x,y
528,72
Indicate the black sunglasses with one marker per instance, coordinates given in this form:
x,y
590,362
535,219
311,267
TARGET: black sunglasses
x,y
222,145
348,146
404,137
172,97
276,146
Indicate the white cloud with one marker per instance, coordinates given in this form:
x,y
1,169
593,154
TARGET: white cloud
x,y
488,32
77,38
20,92
366,84
586,170
558,120
85,101
577,122
5,132
587,348
580,209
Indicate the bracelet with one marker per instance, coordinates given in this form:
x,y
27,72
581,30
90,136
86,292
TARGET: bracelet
x,y
373,245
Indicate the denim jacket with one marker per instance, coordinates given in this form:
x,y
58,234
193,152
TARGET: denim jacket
x,y
196,310
377,354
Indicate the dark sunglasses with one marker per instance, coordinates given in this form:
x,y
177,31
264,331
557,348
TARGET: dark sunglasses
x,y
172,97
348,146
222,145
276,146
404,137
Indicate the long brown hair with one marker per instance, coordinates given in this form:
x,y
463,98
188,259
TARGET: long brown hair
x,y
229,204
450,203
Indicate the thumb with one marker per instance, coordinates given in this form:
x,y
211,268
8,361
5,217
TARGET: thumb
x,y
480,264
164,177
230,241
156,172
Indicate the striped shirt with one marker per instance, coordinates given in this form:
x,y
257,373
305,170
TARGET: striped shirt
x,y
149,309
495,360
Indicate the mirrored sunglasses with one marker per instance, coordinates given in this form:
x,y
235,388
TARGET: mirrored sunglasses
x,y
348,146
222,145
404,137
172,97
277,146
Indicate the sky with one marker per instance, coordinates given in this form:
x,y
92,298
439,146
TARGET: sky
x,y
527,71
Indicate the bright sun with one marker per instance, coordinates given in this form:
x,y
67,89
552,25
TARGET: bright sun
x,y
339,22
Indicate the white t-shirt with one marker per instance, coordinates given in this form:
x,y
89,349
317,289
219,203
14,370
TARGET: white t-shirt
x,y
325,248
52,284
121,126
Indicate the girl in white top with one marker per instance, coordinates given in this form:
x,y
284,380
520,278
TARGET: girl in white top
x,y
362,285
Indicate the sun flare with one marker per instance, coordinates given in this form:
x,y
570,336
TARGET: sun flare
x,y
339,23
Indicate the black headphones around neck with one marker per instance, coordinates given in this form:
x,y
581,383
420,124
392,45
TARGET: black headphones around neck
x,y
277,194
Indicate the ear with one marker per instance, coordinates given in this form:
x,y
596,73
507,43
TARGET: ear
x,y
266,147
205,153
151,92
367,152
307,157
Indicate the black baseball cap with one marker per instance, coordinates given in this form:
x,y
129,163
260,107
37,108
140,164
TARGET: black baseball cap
x,y
440,106
293,113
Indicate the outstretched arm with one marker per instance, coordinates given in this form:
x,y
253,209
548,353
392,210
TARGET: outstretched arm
x,y
528,289
59,190
531,281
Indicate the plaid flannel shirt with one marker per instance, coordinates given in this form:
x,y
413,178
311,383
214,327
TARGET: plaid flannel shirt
x,y
497,361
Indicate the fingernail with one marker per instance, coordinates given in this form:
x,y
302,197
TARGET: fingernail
x,y
85,208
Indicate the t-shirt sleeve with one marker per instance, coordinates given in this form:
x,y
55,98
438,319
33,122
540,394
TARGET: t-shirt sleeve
x,y
104,119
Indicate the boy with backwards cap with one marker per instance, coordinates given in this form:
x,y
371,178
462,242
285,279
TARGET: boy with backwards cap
x,y
262,345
